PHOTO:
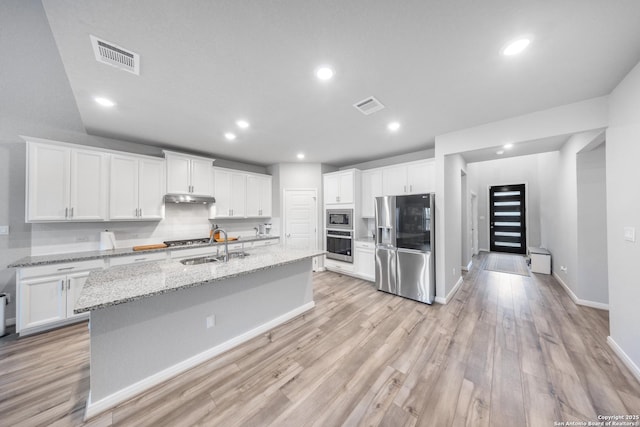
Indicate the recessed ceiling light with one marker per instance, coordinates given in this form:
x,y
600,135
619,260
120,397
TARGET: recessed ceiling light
x,y
300,156
324,73
393,126
499,152
516,47
104,101
242,124
230,136
507,146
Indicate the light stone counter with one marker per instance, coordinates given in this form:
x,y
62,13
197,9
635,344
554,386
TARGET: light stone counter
x,y
32,261
119,285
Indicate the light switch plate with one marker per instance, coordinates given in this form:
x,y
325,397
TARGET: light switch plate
x,y
630,234
4,229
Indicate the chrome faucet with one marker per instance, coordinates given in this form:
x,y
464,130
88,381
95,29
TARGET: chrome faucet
x,y
226,242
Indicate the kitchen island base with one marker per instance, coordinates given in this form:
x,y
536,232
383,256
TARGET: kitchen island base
x,y
137,345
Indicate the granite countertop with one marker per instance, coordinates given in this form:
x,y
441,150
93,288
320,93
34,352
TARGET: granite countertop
x,y
365,239
119,285
32,261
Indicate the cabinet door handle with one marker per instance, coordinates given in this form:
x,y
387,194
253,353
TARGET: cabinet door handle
x,y
68,284
139,259
410,188
62,285
66,268
66,213
405,189
140,212
71,213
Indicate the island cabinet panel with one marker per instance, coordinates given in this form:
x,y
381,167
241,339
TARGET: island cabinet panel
x,y
136,344
65,184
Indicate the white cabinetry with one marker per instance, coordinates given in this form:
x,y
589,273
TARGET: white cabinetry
x,y
189,174
65,183
371,188
258,196
240,194
409,178
47,295
138,258
340,187
137,188
364,261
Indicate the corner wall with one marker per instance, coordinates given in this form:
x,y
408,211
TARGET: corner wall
x,y
623,210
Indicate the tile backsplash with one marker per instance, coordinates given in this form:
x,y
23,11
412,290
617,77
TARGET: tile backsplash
x,y
180,222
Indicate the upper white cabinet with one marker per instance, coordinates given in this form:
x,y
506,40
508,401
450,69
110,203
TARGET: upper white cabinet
x,y
240,194
137,188
371,188
258,196
340,187
409,178
189,174
65,183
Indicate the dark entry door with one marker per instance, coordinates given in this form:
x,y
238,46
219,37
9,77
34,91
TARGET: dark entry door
x,y
507,230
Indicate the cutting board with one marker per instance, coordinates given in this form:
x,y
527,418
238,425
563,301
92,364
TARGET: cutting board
x,y
221,239
148,247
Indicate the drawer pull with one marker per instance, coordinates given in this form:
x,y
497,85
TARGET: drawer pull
x,y
139,259
66,268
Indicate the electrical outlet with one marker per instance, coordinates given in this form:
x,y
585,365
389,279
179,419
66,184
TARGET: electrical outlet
x,y
629,234
4,230
563,268
211,321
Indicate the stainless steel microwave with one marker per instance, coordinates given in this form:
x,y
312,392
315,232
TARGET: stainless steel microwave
x,y
340,218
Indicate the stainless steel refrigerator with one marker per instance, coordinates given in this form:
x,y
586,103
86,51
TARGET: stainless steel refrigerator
x,y
405,246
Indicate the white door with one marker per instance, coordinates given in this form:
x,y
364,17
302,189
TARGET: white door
x,y
75,282
151,188
222,193
178,171
123,189
201,177
345,185
254,195
48,182
371,188
331,189
394,180
300,219
42,301
238,194
418,177
88,199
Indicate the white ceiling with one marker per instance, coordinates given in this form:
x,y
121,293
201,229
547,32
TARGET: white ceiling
x,y
436,65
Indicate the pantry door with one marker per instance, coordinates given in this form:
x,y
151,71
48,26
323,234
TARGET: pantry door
x,y
300,219
507,216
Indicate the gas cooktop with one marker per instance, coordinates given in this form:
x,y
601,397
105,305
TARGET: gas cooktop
x,y
187,242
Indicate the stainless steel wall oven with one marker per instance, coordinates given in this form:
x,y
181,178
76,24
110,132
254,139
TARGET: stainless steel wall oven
x,y
340,245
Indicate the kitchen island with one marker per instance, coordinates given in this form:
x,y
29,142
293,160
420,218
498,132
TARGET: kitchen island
x,y
151,321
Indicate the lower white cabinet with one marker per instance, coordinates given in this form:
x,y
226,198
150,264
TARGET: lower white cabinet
x,y
140,257
47,295
365,260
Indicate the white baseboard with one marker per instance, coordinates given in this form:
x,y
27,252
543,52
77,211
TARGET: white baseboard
x,y
441,300
483,250
635,370
468,266
95,408
576,300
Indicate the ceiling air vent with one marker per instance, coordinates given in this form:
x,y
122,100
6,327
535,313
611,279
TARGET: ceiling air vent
x,y
116,56
369,105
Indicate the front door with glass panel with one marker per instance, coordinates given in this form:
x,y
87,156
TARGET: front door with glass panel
x,y
507,229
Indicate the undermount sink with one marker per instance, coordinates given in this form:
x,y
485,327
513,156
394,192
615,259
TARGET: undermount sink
x,y
210,258
199,260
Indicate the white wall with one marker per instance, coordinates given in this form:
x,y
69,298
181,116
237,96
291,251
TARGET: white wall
x,y
562,238
394,160
528,170
592,226
623,210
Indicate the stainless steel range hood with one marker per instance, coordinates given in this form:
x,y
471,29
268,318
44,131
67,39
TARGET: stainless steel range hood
x,y
189,198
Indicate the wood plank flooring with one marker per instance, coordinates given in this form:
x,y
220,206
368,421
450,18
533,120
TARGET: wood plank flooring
x,y
509,350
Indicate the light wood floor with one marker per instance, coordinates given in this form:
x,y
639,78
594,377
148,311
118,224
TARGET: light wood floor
x,y
509,350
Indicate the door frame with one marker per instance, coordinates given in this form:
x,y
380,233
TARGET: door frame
x,y
283,210
526,207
